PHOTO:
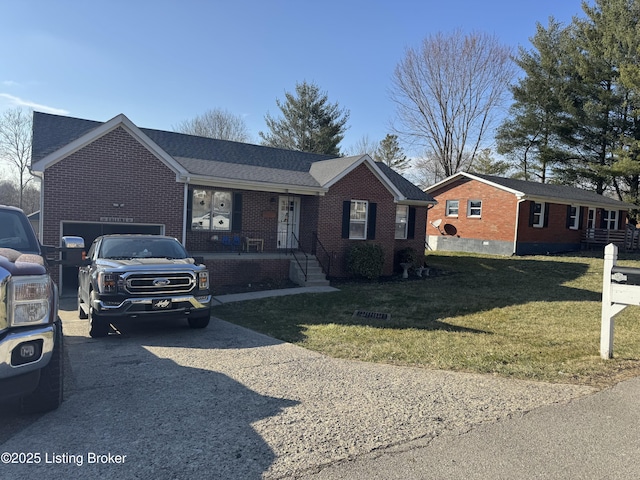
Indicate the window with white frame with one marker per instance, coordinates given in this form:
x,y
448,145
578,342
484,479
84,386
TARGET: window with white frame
x,y
610,219
402,221
538,215
211,210
452,207
358,219
474,208
573,221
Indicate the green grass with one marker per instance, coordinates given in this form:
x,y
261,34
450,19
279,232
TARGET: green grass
x,y
533,318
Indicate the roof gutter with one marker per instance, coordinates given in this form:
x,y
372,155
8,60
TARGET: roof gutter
x,y
417,203
234,184
583,203
185,200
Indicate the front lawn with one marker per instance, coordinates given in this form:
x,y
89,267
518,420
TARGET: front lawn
x,y
526,317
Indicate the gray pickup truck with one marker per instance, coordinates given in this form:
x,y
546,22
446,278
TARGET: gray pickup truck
x,y
141,276
31,342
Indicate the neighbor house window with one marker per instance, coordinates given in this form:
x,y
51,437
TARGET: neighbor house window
x,y
610,219
537,215
573,217
402,221
474,208
452,208
358,219
211,210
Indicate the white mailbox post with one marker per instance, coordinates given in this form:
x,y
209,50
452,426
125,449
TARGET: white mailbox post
x,y
620,288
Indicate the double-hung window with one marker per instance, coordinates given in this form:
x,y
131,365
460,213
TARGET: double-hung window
x,y
474,208
402,221
452,207
537,215
358,219
610,219
573,217
211,210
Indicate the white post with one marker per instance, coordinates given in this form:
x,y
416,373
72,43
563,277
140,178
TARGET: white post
x,y
606,330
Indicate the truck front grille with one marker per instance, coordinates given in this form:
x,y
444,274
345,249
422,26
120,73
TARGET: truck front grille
x,y
155,283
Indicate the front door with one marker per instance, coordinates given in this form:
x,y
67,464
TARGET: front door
x,y
591,222
288,222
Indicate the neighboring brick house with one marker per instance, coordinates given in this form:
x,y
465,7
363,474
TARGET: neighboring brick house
x,y
243,207
487,214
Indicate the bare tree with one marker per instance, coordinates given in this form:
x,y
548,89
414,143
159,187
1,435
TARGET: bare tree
x,y
425,171
446,92
362,146
216,123
15,146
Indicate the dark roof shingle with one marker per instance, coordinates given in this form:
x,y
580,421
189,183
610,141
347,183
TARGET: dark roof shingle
x,y
52,132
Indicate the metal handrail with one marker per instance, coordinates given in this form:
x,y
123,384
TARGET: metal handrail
x,y
318,243
293,252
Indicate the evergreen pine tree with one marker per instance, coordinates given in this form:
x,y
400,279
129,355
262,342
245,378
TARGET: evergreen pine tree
x,y
309,123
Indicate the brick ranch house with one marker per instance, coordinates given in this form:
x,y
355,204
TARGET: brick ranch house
x,y
244,208
505,216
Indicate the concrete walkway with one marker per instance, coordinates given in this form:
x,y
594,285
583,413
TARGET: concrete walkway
x,y
240,297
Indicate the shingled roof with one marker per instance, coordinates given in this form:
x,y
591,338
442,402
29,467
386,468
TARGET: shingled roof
x,y
538,191
204,157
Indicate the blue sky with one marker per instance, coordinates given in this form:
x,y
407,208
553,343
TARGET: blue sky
x,y
160,62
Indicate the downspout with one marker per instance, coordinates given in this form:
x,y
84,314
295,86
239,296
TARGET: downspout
x,y
426,237
41,204
184,210
515,235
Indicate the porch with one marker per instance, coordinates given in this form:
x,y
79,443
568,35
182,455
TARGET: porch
x,y
247,257
627,239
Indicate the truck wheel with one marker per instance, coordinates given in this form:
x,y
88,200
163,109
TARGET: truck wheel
x,y
50,390
198,322
99,325
81,313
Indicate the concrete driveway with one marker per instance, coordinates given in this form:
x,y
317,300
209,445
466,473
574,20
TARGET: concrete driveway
x,y
162,401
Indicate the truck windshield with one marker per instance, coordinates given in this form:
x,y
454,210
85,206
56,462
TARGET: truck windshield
x,y
123,248
16,232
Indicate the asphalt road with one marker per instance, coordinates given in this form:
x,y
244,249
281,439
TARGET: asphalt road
x,y
161,401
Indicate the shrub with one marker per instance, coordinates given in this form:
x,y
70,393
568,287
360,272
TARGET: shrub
x,y
408,255
366,260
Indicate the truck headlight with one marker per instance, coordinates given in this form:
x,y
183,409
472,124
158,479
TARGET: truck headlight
x,y
28,299
203,280
107,282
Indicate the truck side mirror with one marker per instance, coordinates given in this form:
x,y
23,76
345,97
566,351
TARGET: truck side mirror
x,y
73,252
72,242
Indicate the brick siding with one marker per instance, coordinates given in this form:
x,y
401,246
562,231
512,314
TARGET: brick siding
x,y
498,212
499,216
115,168
362,184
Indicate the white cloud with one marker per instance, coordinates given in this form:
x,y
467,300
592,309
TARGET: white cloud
x,y
10,83
36,106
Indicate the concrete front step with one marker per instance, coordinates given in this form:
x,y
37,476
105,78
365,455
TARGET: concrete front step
x,y
315,276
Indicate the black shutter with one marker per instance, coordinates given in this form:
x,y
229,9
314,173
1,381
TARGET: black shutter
x,y
411,226
190,208
346,218
569,216
236,213
620,224
371,221
546,214
532,211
